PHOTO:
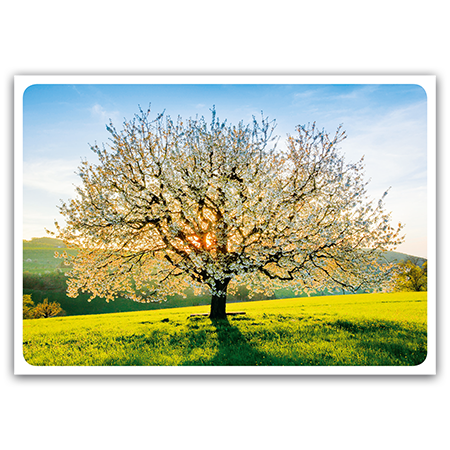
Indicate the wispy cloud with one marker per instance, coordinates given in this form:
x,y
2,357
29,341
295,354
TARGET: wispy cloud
x,y
51,176
98,112
395,148
394,143
308,94
356,93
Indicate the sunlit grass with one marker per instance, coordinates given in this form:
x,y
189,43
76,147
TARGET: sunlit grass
x,y
368,329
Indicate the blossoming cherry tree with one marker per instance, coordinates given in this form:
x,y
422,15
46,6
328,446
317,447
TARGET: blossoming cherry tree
x,y
173,205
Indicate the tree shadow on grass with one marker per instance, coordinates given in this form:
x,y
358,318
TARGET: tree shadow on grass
x,y
233,348
340,342
387,342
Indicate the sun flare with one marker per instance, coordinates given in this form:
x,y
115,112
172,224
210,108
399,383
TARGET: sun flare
x,y
207,242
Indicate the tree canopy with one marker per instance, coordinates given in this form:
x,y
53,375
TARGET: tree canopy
x,y
411,276
178,204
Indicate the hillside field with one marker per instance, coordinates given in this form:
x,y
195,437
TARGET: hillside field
x,y
345,330
43,278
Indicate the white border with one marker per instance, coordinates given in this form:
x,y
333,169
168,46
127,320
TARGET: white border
x,y
21,83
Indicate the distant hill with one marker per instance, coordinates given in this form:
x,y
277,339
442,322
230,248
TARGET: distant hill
x,y
43,242
397,257
51,243
44,278
39,255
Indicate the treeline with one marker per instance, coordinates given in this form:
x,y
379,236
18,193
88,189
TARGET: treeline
x,y
410,275
53,286
53,281
57,281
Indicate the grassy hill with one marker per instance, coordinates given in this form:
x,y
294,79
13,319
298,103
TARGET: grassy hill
x,y
44,278
351,330
39,255
43,242
397,257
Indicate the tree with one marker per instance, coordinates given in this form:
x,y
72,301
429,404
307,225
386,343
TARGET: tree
x,y
410,276
174,204
28,307
46,309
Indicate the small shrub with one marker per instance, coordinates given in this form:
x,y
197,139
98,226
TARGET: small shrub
x,y
28,307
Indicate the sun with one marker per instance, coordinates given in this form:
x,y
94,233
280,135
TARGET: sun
x,y
207,242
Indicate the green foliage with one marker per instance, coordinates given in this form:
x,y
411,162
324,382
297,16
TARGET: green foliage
x,y
44,309
47,309
28,307
361,330
54,281
410,276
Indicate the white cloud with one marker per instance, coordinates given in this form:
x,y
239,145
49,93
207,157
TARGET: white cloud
x,y
35,224
394,146
408,204
394,143
51,176
45,182
98,112
357,93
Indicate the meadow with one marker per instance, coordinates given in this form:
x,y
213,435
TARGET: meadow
x,y
340,330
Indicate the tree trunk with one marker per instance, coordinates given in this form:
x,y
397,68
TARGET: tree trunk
x,y
219,300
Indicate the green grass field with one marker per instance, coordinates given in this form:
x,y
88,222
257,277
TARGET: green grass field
x,y
350,330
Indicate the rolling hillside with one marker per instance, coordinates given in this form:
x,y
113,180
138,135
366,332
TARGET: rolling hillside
x,y
43,242
51,245
43,277
397,257
39,255
352,330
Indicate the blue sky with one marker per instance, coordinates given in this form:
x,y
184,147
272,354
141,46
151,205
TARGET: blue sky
x,y
385,123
